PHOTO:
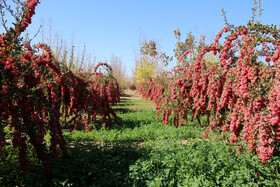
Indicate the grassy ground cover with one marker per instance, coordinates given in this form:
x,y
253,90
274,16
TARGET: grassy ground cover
x,y
141,151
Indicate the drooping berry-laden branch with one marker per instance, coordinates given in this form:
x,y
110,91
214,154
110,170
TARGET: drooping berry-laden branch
x,y
37,92
239,94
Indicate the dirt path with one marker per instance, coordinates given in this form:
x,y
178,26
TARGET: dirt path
x,y
130,94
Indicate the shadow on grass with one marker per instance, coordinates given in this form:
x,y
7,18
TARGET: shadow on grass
x,y
131,124
125,124
88,164
125,107
133,115
125,95
124,102
124,110
92,164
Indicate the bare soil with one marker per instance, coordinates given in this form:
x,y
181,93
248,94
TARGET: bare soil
x,y
130,94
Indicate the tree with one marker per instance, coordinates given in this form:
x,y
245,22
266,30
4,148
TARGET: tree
x,y
150,62
118,71
145,70
190,43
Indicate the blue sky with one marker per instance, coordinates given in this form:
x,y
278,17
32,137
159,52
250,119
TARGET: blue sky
x,y
116,26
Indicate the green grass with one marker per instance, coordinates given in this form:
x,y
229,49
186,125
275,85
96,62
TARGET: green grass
x,y
143,152
138,124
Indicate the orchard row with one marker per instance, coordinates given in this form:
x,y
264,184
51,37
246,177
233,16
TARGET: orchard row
x,y
39,95
238,91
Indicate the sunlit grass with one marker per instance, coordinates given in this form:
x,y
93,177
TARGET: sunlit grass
x,y
138,124
141,151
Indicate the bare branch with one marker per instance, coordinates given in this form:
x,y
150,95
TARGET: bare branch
x,y
36,33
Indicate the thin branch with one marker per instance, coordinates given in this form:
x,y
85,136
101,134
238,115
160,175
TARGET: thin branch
x,y
225,18
36,33
19,5
259,10
253,12
15,14
70,121
8,7
3,21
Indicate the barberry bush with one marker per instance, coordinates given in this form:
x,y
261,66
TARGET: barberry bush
x,y
37,91
239,93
